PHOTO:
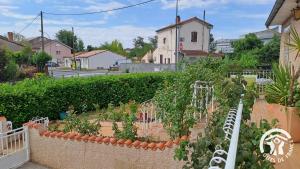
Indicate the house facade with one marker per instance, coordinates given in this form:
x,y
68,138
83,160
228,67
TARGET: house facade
x,y
57,50
10,43
224,46
193,40
98,59
285,13
266,35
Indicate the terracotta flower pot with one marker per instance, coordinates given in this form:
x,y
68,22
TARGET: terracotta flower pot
x,y
288,118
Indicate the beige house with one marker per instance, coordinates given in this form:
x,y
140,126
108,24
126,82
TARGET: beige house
x,y
10,43
285,13
193,40
56,49
148,58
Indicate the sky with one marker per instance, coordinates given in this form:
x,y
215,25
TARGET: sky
x,y
231,18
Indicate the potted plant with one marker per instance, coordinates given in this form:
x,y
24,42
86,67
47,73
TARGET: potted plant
x,y
284,92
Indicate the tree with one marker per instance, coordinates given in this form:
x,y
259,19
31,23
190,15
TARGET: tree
x,y
212,45
4,60
40,59
115,46
24,56
141,47
68,38
250,42
270,52
90,48
153,41
80,46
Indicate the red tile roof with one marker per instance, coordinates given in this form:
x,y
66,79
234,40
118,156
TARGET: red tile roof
x,y
89,54
185,22
199,53
72,136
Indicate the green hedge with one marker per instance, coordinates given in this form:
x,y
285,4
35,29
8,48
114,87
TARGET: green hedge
x,y
47,97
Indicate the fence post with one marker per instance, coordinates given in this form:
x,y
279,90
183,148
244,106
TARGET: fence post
x,y
26,132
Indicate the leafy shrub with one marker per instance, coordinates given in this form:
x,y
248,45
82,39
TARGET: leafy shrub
x,y
129,129
47,97
12,71
82,126
40,59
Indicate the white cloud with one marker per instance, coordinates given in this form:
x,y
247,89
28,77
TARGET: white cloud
x,y
185,4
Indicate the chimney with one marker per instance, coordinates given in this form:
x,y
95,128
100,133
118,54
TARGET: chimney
x,y
178,20
10,36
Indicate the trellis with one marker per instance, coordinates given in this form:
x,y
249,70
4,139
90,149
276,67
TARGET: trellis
x,y
147,116
202,99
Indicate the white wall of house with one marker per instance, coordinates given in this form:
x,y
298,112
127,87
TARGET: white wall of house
x,y
67,62
103,60
167,41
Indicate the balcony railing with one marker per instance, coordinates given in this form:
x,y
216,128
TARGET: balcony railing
x,y
226,159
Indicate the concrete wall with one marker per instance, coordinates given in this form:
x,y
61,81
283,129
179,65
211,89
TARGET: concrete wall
x,y
56,151
144,67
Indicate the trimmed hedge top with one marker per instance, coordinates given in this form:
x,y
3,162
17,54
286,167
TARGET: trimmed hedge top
x,y
46,97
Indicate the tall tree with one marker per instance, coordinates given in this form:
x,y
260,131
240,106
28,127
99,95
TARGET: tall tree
x,y
115,46
153,41
270,52
250,42
212,45
141,47
71,40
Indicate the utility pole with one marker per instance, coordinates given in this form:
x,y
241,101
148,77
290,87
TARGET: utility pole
x,y
73,44
42,32
203,31
177,36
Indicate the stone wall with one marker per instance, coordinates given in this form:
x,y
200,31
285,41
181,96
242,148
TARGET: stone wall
x,y
60,150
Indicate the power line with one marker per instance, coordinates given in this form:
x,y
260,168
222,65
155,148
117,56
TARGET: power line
x,y
29,24
103,11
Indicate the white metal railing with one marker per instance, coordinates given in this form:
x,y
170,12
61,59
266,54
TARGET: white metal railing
x,y
41,120
231,129
14,148
203,98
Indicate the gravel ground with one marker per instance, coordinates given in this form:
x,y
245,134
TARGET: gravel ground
x,y
31,165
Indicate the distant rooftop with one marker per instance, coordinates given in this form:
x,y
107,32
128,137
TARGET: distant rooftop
x,y
185,22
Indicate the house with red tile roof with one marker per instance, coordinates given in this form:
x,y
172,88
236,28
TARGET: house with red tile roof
x,y
194,35
56,49
10,43
97,59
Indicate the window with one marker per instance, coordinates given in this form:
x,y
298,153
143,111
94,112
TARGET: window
x,y
165,40
169,61
165,60
194,36
58,52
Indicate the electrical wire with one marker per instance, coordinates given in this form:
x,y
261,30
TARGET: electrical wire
x,y
29,24
103,11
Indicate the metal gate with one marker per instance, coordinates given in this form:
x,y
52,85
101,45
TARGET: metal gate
x,y
14,148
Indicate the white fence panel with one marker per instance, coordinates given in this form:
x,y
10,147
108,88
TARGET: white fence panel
x,y
14,148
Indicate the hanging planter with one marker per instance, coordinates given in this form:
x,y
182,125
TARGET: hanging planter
x,y
296,13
